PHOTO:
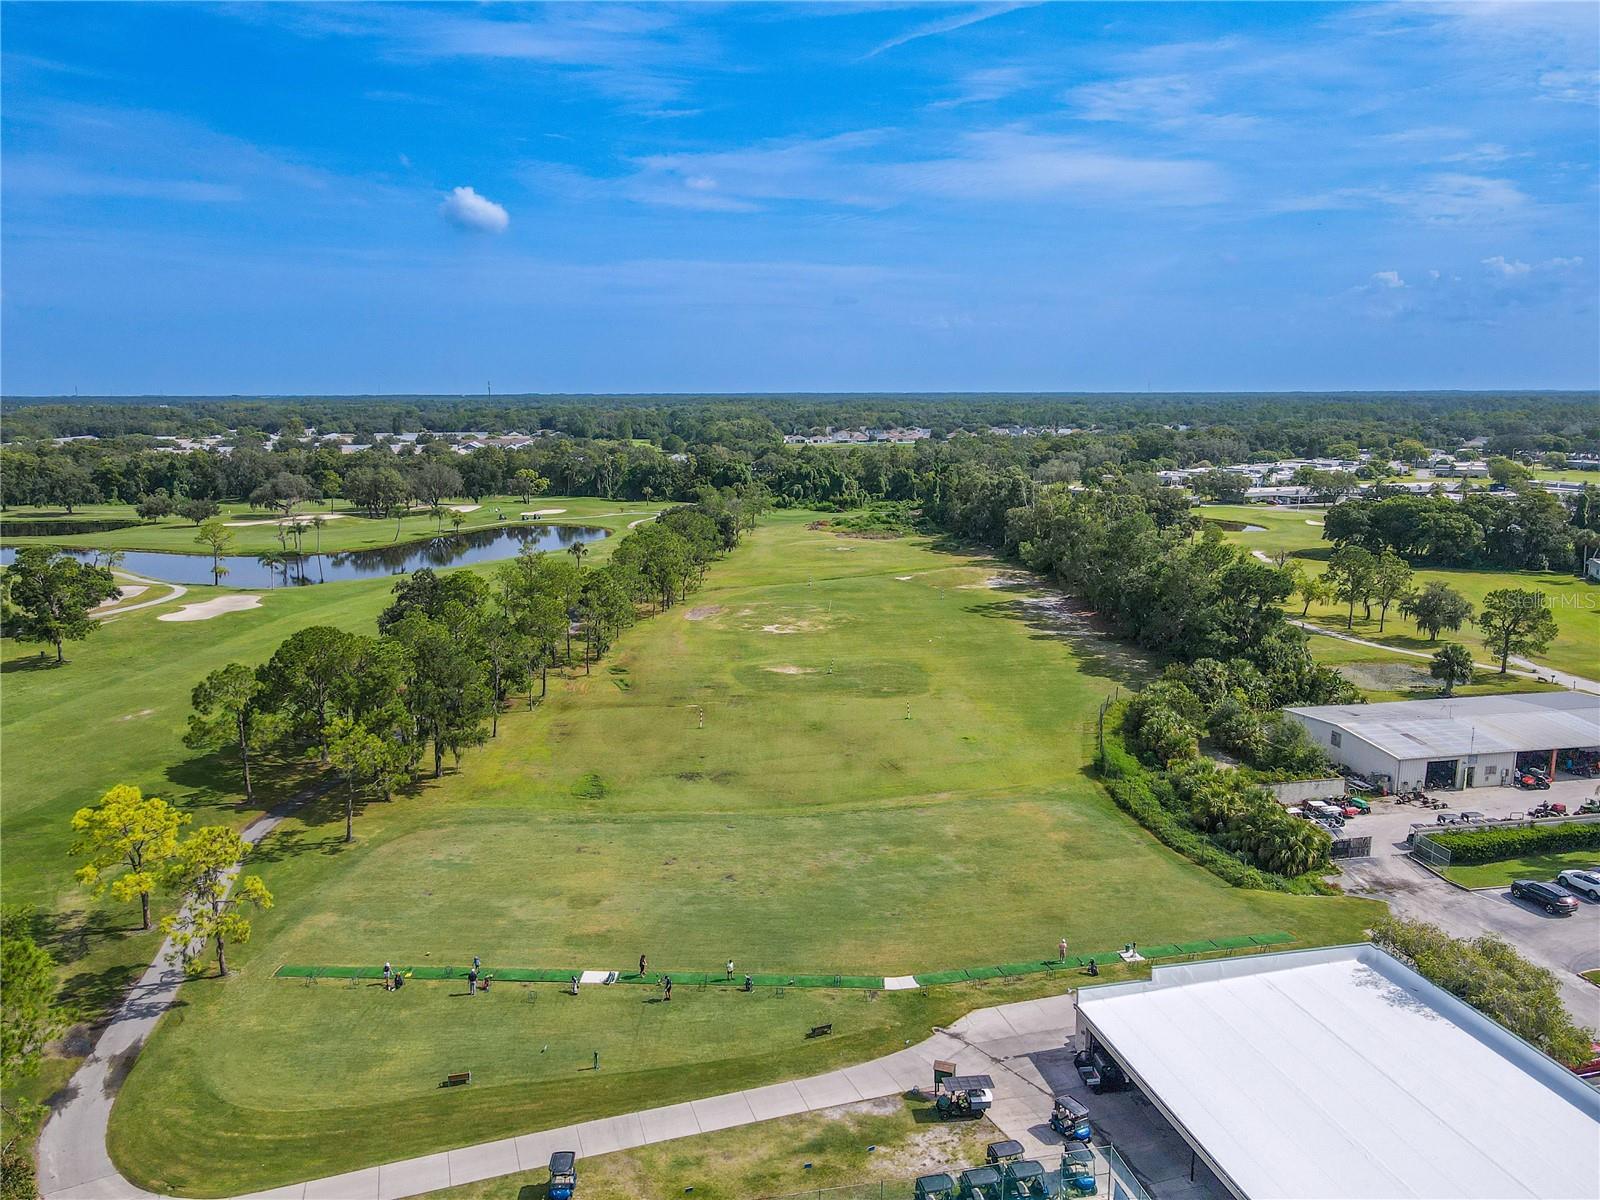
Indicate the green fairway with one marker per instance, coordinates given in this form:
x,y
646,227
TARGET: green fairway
x,y
1536,866
890,777
116,713
1574,602
256,531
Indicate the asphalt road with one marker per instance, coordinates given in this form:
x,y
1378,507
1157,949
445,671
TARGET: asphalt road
x,y
1566,945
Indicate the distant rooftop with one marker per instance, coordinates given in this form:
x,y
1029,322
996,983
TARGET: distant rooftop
x,y
1517,721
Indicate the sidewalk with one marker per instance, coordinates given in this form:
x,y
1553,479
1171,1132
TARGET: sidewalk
x,y
991,1041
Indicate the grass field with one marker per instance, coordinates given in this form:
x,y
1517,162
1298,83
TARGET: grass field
x,y
1536,866
347,530
1574,602
770,1158
116,713
890,777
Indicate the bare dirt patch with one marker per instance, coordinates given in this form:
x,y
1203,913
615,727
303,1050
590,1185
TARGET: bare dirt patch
x,y
134,716
701,612
1386,676
905,578
206,609
791,670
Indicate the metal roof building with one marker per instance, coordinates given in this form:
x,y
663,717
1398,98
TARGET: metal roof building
x,y
1472,740
1342,1073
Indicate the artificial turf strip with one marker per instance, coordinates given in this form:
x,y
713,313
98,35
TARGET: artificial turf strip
x,y
715,979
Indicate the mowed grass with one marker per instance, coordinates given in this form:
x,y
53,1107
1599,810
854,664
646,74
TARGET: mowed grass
x,y
116,712
1534,866
346,529
890,1140
1575,603
891,777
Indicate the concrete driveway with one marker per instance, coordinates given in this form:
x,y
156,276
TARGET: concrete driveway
x,y
1566,945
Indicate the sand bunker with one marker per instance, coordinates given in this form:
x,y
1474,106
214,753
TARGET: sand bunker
x,y
463,507
782,629
788,670
143,712
206,609
1263,557
297,519
543,512
702,612
904,578
1309,521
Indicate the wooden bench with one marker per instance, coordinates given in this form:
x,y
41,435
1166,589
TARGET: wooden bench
x,y
820,1030
457,1078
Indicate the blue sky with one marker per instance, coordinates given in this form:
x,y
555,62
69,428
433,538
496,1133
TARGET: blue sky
x,y
617,197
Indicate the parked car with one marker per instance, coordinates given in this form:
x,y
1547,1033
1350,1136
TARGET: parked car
x,y
1473,815
1585,883
1546,895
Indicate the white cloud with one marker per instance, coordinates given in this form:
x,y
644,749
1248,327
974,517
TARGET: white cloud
x,y
1388,279
467,210
1510,268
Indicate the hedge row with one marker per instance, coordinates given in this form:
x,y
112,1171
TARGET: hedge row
x,y
11,527
1468,846
1133,786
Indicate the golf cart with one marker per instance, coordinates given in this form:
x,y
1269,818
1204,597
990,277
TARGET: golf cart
x,y
935,1187
966,1096
980,1183
1003,1152
1077,1171
1071,1120
563,1175
1025,1178
1097,1071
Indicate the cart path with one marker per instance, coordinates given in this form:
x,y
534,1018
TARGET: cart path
x,y
995,1041
1531,670
178,592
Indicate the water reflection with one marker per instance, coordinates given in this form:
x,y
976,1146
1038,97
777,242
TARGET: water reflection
x,y
447,550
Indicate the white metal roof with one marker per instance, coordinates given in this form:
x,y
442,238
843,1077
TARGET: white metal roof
x,y
1413,729
1341,1073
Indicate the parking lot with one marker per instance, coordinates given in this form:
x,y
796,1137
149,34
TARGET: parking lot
x,y
1566,945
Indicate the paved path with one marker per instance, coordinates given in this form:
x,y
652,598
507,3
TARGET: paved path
x,y
1532,670
178,591
72,1147
1001,1042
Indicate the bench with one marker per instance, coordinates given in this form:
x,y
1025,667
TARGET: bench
x,y
457,1078
820,1030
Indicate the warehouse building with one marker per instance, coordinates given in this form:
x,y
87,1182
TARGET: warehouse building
x,y
1461,742
1340,1072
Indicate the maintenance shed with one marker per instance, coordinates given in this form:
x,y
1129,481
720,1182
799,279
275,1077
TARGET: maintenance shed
x,y
1340,1072
1460,742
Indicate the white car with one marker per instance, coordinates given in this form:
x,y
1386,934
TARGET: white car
x,y
1584,883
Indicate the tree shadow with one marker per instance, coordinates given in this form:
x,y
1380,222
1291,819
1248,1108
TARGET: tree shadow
x,y
1053,616
35,662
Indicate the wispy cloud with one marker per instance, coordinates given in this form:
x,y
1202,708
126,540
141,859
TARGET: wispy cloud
x,y
948,24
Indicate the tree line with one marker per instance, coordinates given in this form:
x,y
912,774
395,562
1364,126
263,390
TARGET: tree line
x,y
1522,530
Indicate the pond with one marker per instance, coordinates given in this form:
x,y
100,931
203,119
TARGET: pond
x,y
447,550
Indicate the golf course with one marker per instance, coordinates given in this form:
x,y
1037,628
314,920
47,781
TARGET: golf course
x,y
844,755
1574,602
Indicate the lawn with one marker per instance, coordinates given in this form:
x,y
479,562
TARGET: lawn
x,y
1536,866
890,1140
346,529
1574,602
890,778
116,713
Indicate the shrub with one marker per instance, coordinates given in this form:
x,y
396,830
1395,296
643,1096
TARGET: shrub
x,y
1494,845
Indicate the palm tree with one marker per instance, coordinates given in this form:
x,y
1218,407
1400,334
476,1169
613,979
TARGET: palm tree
x,y
457,520
578,550
272,560
1584,541
317,522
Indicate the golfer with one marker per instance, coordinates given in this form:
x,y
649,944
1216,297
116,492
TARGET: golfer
x,y
388,978
666,987
644,965
730,968
1061,950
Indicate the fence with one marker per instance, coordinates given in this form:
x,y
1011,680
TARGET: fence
x,y
1428,851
